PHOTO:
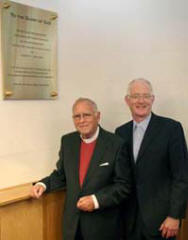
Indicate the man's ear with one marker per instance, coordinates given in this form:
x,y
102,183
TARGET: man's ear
x,y
153,98
98,116
126,99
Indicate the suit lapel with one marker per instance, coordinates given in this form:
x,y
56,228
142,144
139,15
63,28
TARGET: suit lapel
x,y
129,134
151,132
75,157
99,150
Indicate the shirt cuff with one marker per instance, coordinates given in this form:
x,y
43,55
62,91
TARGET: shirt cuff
x,y
41,184
96,204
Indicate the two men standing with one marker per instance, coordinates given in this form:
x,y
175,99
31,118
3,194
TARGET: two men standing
x,y
94,166
159,163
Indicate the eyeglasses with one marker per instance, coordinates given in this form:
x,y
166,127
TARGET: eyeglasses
x,y
85,116
139,96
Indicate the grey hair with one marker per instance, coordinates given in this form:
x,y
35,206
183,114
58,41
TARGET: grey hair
x,y
140,80
82,99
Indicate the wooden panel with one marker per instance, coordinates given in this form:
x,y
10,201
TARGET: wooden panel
x,y
22,220
53,210
184,230
183,235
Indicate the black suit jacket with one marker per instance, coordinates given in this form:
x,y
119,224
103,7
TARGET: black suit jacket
x,y
110,184
160,173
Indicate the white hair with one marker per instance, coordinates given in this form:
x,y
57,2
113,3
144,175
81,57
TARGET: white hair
x,y
89,101
139,80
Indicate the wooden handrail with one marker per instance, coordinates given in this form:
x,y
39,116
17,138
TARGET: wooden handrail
x,y
15,194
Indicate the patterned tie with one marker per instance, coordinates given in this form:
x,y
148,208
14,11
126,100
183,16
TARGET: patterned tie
x,y
137,139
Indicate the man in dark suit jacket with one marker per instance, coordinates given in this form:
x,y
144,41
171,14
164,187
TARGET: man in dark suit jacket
x,y
158,154
96,175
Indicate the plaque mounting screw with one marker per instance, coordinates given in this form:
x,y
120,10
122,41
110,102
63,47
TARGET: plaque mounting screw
x,y
6,5
54,94
53,17
8,93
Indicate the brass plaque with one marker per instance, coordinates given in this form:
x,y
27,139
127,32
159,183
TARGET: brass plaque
x,y
28,52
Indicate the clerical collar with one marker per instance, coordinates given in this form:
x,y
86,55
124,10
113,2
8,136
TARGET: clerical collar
x,y
143,123
91,139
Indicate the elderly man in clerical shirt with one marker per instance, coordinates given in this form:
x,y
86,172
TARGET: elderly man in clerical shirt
x,y
94,169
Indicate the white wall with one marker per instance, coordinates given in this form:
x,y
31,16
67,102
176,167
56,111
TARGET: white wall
x,y
101,46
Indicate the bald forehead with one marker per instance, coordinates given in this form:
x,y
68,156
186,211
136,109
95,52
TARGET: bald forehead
x,y
136,85
84,103
145,84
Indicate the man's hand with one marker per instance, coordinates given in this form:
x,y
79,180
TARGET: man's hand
x,y
37,191
86,204
170,227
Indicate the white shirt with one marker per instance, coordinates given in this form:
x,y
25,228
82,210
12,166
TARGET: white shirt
x,y
139,130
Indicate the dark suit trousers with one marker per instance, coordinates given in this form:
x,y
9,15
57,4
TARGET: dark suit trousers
x,y
79,236
141,233
79,233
